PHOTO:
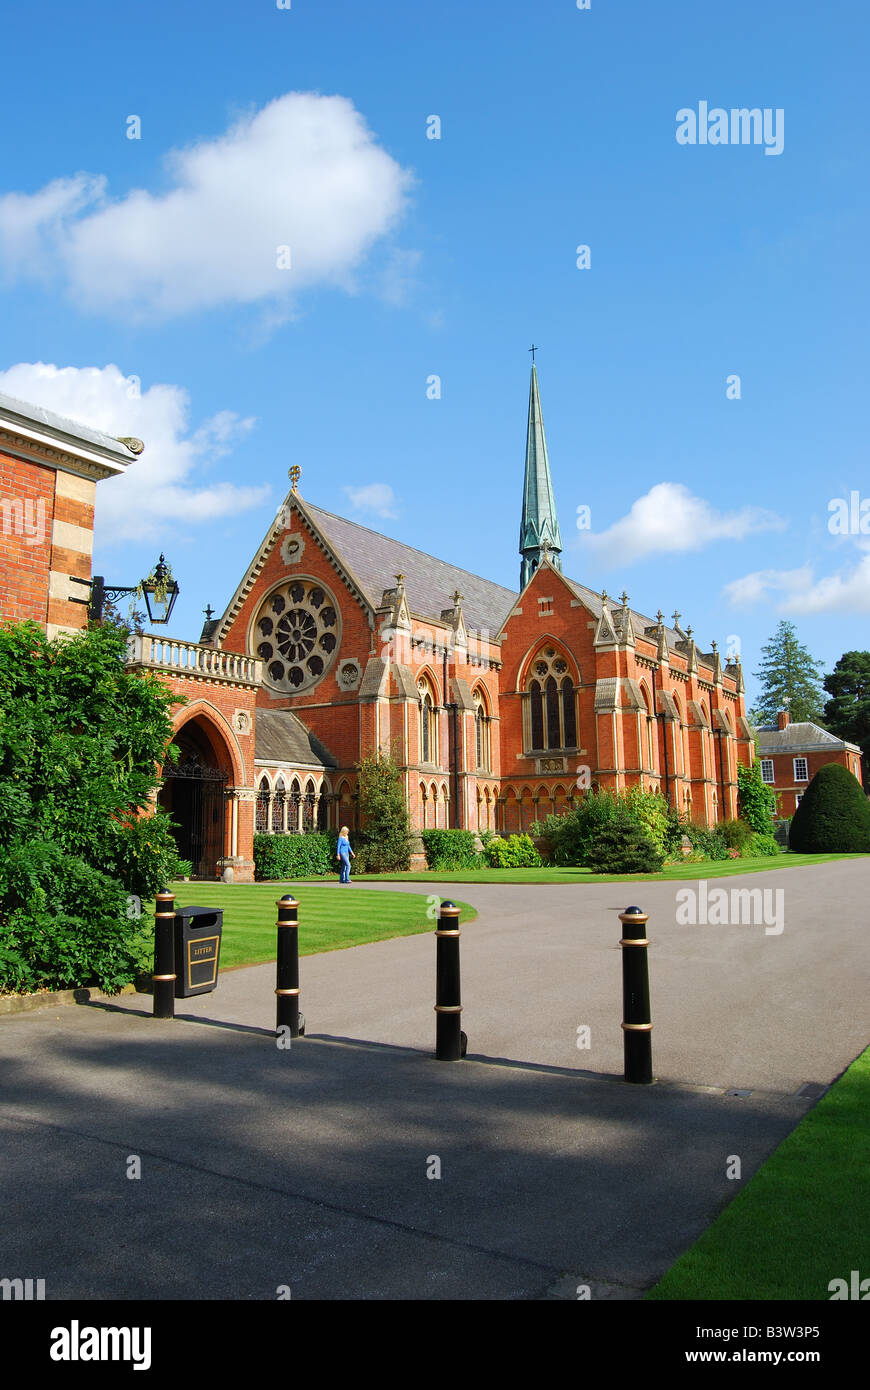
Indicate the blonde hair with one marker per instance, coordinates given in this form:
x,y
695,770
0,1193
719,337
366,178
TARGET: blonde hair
x,y
343,830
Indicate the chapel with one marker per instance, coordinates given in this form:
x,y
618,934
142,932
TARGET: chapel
x,y
500,706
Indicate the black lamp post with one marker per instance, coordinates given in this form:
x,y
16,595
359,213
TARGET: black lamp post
x,y
160,591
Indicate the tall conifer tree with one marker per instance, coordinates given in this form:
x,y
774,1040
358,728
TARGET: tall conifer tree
x,y
788,673
847,713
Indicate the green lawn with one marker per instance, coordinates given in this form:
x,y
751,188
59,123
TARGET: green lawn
x,y
803,1220
330,917
717,868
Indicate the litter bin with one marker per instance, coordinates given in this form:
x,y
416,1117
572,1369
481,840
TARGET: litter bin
x,y
197,949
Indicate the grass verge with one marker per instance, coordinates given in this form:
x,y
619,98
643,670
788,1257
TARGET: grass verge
x,y
715,868
331,919
802,1221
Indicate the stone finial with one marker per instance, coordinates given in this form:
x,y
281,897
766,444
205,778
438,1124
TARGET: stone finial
x,y
660,618
623,598
457,598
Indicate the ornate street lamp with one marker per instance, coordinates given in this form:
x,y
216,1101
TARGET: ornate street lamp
x,y
159,589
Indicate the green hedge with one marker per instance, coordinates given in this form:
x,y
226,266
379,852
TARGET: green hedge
x,y
516,852
66,924
449,849
294,856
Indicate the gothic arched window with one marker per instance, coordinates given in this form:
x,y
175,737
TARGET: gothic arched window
x,y
264,795
552,714
481,731
428,723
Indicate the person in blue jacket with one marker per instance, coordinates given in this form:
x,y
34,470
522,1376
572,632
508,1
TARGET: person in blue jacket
x,y
344,852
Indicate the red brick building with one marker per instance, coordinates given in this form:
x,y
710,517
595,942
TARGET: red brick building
x,y
791,754
500,707
49,470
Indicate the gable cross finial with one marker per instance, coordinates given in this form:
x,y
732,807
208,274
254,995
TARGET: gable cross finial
x,y
623,598
457,598
294,474
676,615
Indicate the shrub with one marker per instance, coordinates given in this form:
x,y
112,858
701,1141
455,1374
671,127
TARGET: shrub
x,y
386,833
737,834
711,842
756,801
65,924
572,835
624,847
650,810
763,844
833,815
294,856
449,849
516,852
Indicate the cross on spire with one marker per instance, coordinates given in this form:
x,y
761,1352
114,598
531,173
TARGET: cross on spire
x,y
533,349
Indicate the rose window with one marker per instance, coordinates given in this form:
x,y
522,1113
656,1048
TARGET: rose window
x,y
296,634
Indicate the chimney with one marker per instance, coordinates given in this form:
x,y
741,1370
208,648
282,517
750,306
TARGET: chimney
x,y
782,719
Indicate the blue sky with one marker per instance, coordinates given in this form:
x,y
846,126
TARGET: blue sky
x,y
413,257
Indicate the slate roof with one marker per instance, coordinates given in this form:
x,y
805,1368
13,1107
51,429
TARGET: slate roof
x,y
799,737
281,737
375,560
72,431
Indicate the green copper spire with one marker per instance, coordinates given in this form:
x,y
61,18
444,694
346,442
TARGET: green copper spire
x,y
539,529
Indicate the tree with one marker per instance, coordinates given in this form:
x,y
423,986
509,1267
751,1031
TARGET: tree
x,y
847,713
788,673
756,801
833,816
81,738
386,826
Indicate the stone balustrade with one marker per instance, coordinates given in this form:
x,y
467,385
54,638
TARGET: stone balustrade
x,y
192,660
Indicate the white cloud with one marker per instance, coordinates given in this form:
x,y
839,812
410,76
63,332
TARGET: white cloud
x,y
375,497
670,519
304,172
159,487
845,592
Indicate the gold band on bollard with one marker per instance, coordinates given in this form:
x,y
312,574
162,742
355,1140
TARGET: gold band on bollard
x,y
448,1008
287,991
634,941
450,911
637,1027
163,977
453,931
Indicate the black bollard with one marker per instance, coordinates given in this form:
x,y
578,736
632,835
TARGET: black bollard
x,y
450,1041
635,997
287,981
164,956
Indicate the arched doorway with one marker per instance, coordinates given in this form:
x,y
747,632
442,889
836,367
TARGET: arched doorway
x,y
193,794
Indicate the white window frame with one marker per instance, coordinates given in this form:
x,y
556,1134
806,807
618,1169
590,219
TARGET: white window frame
x,y
768,781
805,762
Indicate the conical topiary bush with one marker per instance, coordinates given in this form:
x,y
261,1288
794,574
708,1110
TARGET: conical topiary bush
x,y
833,816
